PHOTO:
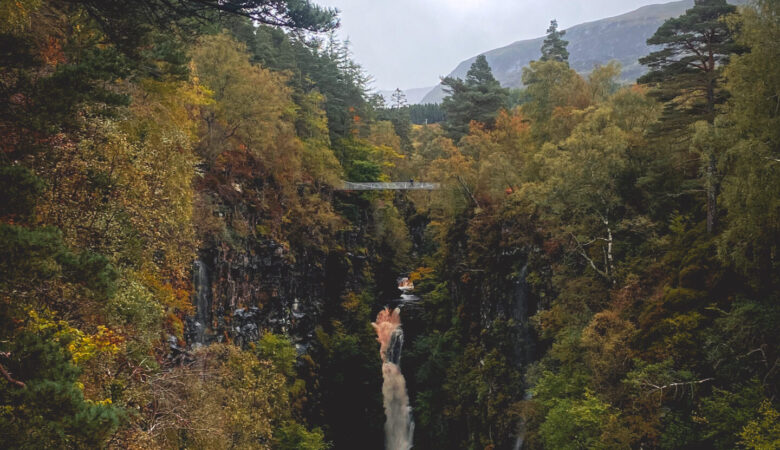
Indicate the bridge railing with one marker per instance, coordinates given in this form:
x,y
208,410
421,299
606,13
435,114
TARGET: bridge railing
x,y
391,186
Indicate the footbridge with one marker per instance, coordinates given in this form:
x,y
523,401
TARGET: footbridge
x,y
390,186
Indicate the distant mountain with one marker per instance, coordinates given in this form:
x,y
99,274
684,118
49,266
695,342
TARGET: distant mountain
x,y
413,96
622,38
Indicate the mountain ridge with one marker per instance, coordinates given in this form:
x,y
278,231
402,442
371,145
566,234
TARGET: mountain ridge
x,y
621,38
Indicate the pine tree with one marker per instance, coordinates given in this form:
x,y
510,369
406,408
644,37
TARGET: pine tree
x,y
554,48
398,99
685,71
478,98
126,22
696,46
44,407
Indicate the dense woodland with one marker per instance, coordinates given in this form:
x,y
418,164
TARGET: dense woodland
x,y
600,268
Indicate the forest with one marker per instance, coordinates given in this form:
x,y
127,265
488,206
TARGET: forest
x,y
180,267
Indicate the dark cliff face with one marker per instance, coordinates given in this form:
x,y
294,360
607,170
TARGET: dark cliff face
x,y
240,294
246,287
499,295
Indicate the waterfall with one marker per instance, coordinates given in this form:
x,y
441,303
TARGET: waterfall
x,y
202,301
399,426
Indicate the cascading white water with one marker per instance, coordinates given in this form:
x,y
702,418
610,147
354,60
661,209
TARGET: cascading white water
x,y
202,302
399,427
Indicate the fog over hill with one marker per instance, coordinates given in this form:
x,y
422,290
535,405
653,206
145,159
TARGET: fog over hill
x,y
622,38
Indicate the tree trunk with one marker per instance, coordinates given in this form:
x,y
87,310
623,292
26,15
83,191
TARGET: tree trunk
x,y
610,259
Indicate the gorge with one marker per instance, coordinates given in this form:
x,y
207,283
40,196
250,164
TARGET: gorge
x,y
205,221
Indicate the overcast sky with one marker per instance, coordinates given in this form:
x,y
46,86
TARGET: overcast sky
x,y
410,43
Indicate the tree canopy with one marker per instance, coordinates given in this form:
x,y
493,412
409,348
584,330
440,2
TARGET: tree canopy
x,y
554,47
695,48
479,97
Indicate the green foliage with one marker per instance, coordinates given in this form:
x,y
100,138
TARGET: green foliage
x,y
50,410
479,98
433,354
726,413
33,256
764,432
739,343
696,45
400,117
358,159
551,86
278,349
135,309
576,423
350,386
426,113
294,436
564,255
554,47
20,189
316,65
126,24
751,165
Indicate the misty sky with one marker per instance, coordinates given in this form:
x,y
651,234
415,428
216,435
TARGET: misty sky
x,y
410,43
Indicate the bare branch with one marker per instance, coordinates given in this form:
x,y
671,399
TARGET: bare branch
x,y
587,258
7,375
675,386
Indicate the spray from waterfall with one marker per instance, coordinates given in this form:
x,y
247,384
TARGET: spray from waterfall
x,y
398,425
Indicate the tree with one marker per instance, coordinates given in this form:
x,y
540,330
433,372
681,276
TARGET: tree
x,y
552,87
696,46
398,99
46,406
478,98
398,113
554,48
249,102
582,178
685,73
576,423
425,114
126,23
751,188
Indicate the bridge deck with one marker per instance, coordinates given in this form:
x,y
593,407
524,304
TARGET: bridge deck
x,y
392,186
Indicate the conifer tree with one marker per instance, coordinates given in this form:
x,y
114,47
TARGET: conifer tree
x,y
398,99
685,71
695,47
126,22
478,98
554,47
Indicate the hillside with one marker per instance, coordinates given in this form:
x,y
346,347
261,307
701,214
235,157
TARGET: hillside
x,y
215,236
622,38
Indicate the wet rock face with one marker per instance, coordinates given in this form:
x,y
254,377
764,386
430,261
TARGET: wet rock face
x,y
507,296
239,294
501,292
